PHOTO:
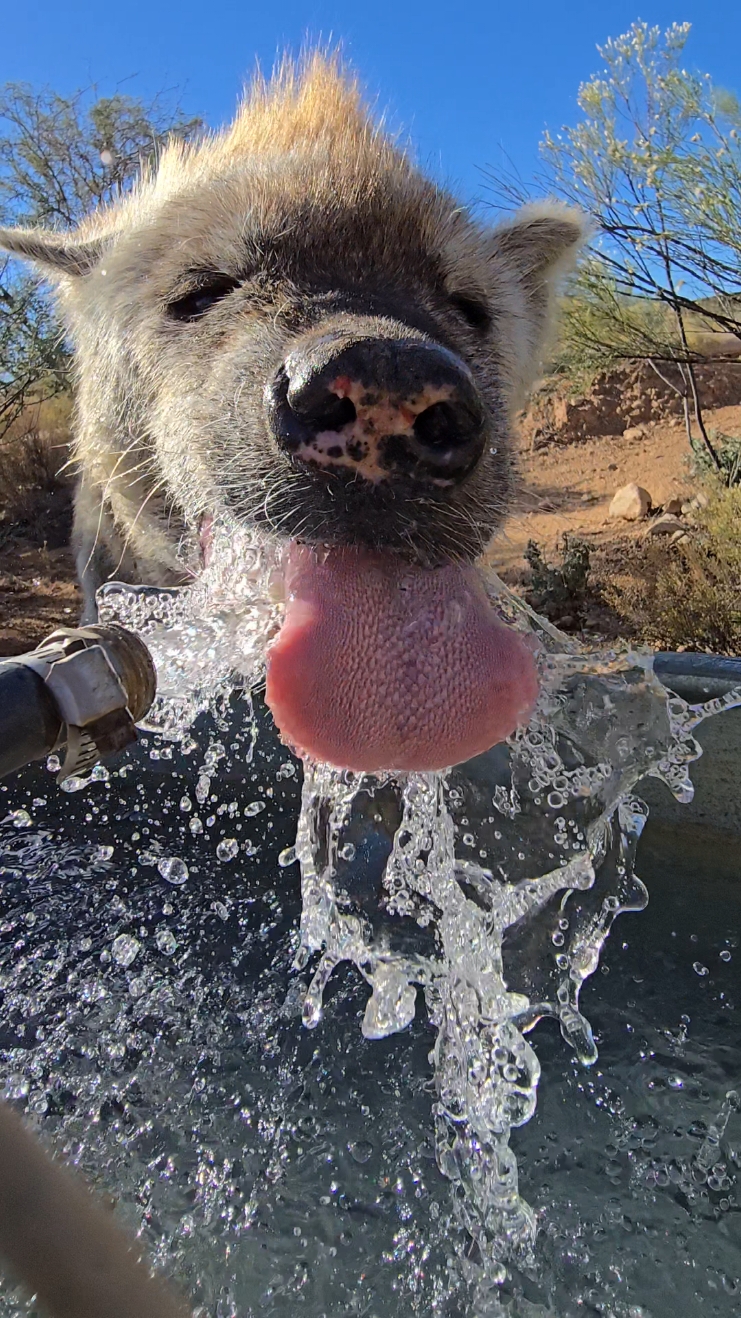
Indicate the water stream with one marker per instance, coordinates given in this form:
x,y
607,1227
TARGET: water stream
x,y
490,888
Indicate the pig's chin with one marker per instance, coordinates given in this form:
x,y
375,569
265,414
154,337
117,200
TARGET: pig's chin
x,y
381,665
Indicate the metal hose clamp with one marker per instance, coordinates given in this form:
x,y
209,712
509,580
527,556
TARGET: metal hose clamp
x,y
103,681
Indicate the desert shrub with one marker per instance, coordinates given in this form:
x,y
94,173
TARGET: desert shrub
x,y
688,595
558,590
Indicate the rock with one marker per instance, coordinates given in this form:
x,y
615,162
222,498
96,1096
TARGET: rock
x,y
631,502
613,466
701,499
667,524
634,432
674,506
678,538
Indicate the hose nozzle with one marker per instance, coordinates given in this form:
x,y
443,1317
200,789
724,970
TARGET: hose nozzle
x,y
83,686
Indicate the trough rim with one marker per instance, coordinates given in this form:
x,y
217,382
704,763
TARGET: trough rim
x,y
718,667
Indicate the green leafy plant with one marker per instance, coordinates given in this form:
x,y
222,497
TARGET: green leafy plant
x,y
728,449
559,590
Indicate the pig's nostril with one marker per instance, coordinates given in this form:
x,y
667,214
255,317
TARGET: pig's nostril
x,y
446,426
437,426
329,413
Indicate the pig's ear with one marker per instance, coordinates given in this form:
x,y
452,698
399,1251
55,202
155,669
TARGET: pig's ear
x,y
540,244
529,255
58,255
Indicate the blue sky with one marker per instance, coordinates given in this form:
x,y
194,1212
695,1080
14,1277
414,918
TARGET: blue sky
x,y
473,82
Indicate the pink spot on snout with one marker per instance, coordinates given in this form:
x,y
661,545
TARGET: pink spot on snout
x,y
343,386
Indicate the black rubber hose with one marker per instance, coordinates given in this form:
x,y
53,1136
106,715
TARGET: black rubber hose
x,y
29,720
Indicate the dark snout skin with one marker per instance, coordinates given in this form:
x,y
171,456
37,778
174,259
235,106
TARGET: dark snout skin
x,y
378,408
349,428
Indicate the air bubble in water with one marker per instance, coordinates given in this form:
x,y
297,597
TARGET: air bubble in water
x,y
173,869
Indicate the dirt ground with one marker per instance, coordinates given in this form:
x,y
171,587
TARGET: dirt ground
x,y
568,487
38,592
561,488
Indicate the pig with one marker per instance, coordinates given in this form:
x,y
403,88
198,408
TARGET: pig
x,y
289,322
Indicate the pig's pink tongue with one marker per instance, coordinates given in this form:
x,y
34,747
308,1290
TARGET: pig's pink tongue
x,y
380,665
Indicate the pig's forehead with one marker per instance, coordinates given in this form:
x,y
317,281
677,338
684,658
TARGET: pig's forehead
x,y
279,219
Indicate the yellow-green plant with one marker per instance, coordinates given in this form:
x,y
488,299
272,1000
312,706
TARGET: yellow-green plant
x,y
689,594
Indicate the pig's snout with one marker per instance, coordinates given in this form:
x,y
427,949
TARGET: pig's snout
x,y
377,407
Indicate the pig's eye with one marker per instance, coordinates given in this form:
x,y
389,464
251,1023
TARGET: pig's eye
x,y
473,310
200,300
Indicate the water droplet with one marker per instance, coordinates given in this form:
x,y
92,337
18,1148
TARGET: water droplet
x,y
254,808
173,869
103,853
360,1150
699,968
725,955
20,818
166,941
287,857
347,852
125,949
74,784
227,849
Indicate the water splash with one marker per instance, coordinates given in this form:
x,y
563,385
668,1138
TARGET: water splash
x,y
492,888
